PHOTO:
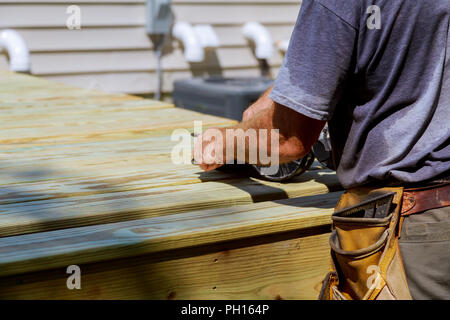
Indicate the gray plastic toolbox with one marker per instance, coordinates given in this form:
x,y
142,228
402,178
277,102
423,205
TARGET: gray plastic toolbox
x,y
225,97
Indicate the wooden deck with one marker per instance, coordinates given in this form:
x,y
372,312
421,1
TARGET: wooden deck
x,y
86,179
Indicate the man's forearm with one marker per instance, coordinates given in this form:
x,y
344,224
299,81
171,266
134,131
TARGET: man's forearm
x,y
262,103
274,134
295,136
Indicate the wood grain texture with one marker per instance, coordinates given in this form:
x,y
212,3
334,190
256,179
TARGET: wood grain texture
x,y
86,178
282,266
128,164
72,211
13,110
34,125
57,172
59,126
54,249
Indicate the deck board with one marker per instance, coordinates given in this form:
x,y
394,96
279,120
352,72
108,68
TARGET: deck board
x,y
86,177
24,215
38,251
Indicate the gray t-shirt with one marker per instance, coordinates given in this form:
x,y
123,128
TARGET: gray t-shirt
x,y
381,80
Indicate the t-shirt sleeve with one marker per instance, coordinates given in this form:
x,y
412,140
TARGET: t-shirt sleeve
x,y
317,62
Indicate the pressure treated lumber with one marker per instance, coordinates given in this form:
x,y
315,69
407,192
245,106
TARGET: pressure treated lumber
x,y
38,110
24,88
86,178
85,127
53,185
275,267
38,251
83,210
46,121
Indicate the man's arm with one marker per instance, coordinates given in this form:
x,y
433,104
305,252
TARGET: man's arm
x,y
296,134
262,103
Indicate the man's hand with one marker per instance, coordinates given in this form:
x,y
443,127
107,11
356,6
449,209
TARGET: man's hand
x,y
209,152
262,103
294,132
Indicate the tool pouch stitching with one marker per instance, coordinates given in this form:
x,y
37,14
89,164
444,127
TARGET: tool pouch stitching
x,y
380,249
361,253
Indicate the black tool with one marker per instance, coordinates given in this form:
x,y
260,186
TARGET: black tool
x,y
377,207
286,171
321,150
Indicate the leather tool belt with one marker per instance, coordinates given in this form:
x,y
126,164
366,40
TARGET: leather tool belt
x,y
420,199
366,262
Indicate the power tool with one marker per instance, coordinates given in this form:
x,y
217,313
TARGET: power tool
x,y
320,151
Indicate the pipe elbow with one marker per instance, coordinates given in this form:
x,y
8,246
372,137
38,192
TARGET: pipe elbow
x,y
19,55
193,49
256,32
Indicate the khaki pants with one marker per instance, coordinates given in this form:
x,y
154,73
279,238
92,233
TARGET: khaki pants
x,y
371,259
425,248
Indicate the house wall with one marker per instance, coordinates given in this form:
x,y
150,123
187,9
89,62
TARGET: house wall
x,y
112,51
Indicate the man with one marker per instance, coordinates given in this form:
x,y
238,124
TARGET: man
x,y
378,72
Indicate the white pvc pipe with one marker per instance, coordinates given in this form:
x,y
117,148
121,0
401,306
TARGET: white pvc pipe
x,y
19,56
207,36
264,48
283,45
193,49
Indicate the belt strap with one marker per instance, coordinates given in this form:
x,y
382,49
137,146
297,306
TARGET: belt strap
x,y
421,199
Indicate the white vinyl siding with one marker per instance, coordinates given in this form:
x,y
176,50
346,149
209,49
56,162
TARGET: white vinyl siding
x,y
112,51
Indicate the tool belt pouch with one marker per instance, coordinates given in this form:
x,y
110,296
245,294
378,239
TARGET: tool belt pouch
x,y
366,262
